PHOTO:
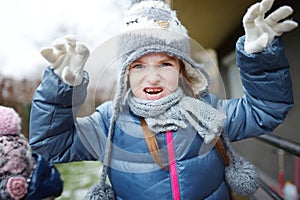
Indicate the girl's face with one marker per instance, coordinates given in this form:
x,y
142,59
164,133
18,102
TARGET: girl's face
x,y
154,75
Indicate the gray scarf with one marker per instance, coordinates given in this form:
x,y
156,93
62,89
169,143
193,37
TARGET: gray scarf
x,y
175,110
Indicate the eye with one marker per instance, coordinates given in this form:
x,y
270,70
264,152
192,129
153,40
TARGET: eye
x,y
136,66
166,64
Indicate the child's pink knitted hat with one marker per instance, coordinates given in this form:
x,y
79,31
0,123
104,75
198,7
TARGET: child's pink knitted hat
x,y
16,160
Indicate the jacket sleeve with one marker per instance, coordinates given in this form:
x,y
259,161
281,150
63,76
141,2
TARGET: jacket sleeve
x,y
267,92
45,180
52,129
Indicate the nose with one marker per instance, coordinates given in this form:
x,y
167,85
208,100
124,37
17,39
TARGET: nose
x,y
153,75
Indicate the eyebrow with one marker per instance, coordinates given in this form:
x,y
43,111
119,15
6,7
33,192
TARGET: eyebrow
x,y
165,59
170,58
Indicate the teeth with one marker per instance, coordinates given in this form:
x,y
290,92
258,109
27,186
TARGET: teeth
x,y
153,91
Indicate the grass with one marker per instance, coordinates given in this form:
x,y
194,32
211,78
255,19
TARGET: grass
x,y
78,177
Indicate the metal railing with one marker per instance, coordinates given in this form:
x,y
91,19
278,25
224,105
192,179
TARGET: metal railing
x,y
285,145
272,193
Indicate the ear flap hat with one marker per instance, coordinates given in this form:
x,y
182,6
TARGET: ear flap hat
x,y
149,26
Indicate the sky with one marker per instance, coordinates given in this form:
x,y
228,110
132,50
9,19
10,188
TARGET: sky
x,y
27,26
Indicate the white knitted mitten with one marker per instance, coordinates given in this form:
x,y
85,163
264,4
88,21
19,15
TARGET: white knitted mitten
x,y
67,58
260,31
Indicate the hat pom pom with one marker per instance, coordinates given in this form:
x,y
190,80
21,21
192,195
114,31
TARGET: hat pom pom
x,y
98,192
242,177
9,121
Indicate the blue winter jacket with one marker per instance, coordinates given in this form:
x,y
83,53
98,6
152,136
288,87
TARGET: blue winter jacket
x,y
60,137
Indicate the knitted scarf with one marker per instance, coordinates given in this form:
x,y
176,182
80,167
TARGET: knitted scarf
x,y
175,110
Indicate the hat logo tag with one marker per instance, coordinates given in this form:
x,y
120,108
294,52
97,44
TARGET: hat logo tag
x,y
162,23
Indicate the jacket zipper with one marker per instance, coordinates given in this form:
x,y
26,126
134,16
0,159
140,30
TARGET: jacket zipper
x,y
173,167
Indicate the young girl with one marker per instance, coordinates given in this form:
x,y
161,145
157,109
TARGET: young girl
x,y
149,137
24,174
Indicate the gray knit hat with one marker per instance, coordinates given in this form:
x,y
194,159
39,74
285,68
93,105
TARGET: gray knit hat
x,y
150,26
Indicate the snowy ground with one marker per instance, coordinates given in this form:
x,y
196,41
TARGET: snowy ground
x,y
78,177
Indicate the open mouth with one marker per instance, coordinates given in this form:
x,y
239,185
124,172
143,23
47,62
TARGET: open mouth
x,y
153,93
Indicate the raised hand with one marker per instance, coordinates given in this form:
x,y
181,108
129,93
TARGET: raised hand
x,y
260,31
67,58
